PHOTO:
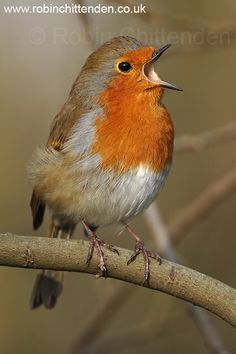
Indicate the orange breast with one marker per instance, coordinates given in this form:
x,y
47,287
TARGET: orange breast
x,y
135,129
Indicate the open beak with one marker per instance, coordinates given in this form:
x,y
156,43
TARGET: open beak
x,y
151,75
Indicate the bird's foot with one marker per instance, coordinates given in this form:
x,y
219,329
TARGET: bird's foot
x,y
140,248
95,242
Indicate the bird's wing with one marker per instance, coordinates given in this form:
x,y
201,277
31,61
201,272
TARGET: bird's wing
x,y
38,209
60,130
62,125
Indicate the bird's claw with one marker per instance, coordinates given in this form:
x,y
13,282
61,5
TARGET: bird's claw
x,y
110,247
140,248
96,242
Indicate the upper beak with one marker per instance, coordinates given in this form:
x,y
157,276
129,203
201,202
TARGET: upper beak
x,y
150,73
156,55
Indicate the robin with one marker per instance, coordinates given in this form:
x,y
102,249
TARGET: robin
x,y
108,154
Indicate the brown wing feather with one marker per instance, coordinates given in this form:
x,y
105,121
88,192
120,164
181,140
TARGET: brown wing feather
x,y
61,126
65,120
58,135
60,130
37,209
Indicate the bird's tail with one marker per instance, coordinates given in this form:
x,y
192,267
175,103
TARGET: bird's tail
x,y
48,285
47,288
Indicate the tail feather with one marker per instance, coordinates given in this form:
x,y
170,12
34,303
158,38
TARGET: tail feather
x,y
48,285
47,288
38,210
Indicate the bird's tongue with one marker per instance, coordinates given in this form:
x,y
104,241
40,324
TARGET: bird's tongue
x,y
150,73
152,76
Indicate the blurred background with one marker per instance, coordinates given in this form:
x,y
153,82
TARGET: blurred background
x,y
41,56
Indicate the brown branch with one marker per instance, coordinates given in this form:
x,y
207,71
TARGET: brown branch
x,y
170,278
202,205
204,140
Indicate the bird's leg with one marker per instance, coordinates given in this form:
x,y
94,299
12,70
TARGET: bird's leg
x,y
140,248
70,232
94,241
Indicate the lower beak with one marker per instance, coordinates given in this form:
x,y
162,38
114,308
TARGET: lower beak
x,y
169,86
150,73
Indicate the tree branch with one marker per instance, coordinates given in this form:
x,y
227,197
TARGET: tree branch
x,y
202,205
170,278
204,140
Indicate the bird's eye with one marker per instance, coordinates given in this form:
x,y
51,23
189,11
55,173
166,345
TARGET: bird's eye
x,y
125,66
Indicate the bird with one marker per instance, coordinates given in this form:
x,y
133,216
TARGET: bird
x,y
108,154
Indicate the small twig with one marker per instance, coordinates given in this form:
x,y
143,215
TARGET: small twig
x,y
204,140
202,205
171,278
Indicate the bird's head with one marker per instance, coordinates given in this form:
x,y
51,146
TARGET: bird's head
x,y
138,66
125,65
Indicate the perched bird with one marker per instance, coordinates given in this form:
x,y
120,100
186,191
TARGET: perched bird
x,y
108,153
